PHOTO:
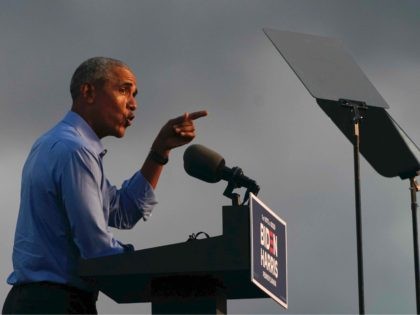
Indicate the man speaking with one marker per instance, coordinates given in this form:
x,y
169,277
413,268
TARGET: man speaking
x,y
67,204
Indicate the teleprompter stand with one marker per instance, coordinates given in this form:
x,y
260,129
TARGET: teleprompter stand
x,y
194,277
415,187
347,96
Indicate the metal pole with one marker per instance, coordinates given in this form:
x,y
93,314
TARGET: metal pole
x,y
414,187
356,150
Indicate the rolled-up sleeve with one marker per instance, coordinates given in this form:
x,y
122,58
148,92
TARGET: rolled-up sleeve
x,y
135,200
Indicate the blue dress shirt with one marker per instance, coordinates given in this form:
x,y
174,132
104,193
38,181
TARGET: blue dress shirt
x,y
67,206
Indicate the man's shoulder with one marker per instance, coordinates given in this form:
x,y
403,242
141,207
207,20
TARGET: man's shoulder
x,y
62,139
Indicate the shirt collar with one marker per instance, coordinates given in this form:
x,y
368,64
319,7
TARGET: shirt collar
x,y
85,131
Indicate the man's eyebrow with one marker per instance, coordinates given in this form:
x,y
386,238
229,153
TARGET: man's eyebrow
x,y
130,85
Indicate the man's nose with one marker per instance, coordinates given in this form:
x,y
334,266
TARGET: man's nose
x,y
132,104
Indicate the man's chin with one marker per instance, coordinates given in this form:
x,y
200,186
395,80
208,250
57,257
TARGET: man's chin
x,y
119,133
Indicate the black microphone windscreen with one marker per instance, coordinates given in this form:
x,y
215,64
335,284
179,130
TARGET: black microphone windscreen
x,y
203,163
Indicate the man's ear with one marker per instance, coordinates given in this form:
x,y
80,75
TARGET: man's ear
x,y
87,92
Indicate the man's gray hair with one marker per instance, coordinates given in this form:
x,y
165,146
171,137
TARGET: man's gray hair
x,y
95,71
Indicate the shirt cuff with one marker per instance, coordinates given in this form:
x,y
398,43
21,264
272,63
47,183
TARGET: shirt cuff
x,y
141,193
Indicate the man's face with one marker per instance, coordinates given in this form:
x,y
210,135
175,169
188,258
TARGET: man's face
x,y
115,103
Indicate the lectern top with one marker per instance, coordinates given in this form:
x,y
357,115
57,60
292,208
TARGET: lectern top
x,y
325,68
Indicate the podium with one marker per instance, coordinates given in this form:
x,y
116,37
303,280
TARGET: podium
x,y
196,276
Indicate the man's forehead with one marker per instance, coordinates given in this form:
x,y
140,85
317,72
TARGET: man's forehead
x,y
123,75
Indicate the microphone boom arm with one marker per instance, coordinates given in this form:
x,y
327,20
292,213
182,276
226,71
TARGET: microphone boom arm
x,y
234,182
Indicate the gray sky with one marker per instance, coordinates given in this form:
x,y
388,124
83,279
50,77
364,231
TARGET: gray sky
x,y
213,55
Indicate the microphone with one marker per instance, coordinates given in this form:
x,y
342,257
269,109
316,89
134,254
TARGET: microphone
x,y
205,164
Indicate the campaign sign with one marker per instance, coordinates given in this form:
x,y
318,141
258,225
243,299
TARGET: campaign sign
x,y
268,251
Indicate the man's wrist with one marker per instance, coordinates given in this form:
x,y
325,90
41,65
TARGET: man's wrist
x,y
158,157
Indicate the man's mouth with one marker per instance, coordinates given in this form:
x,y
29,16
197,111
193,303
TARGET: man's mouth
x,y
129,120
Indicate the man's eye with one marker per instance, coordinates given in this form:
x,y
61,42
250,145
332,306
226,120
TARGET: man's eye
x,y
123,91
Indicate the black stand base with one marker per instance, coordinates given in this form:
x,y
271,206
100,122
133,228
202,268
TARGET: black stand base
x,y
202,305
188,295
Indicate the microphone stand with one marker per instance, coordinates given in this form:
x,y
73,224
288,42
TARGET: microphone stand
x,y
234,183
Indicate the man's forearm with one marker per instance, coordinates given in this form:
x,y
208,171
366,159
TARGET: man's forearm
x,y
153,166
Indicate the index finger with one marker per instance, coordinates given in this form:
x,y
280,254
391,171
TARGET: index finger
x,y
198,114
